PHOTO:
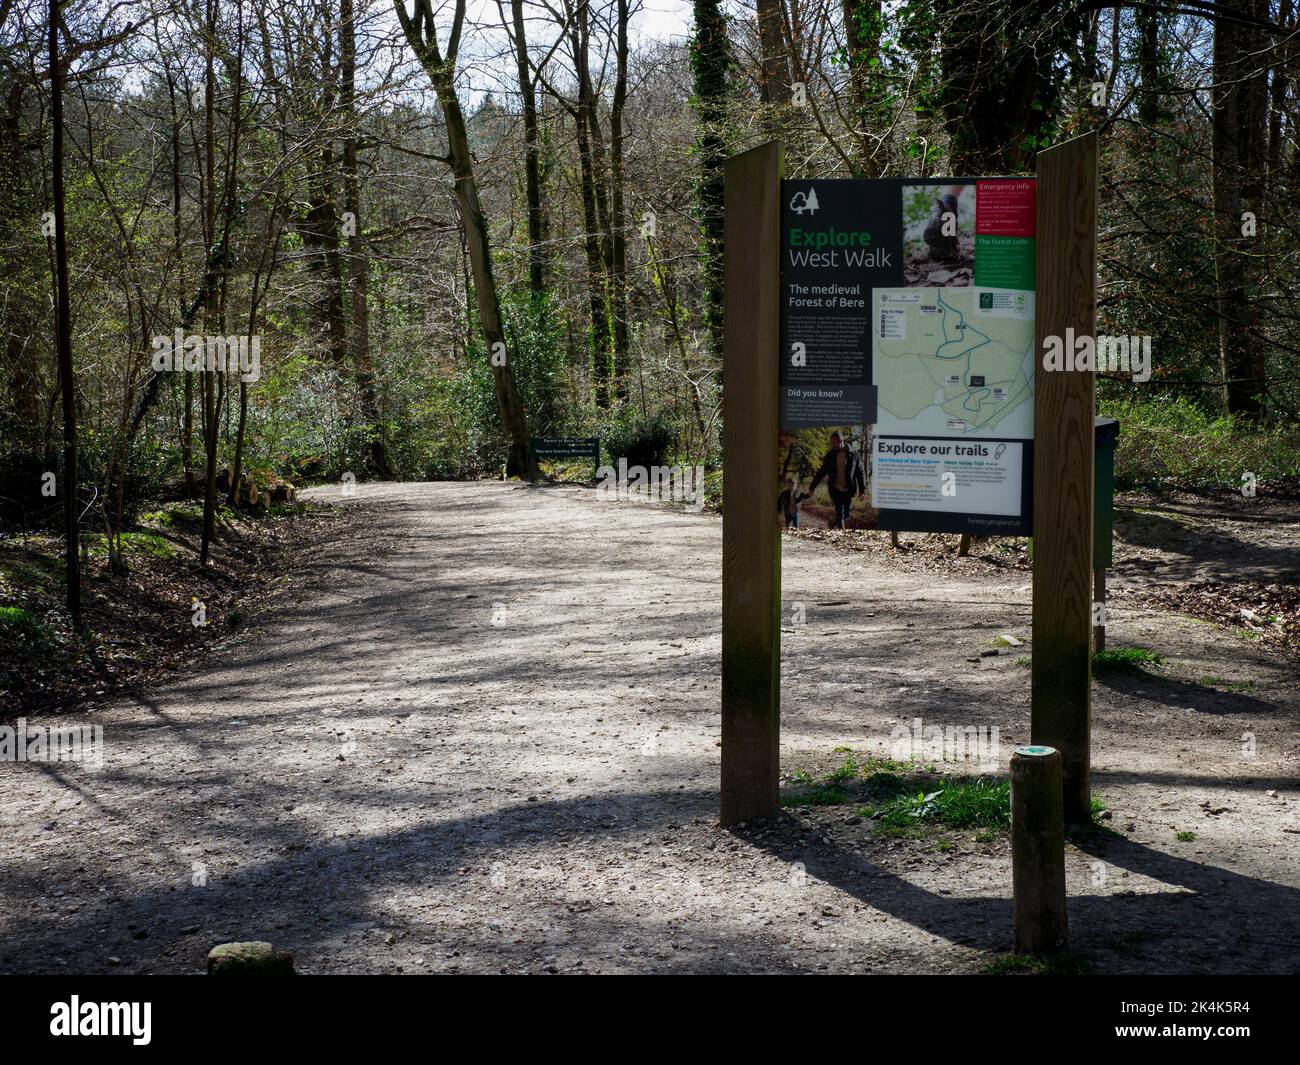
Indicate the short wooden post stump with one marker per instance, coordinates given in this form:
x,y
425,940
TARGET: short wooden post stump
x,y
1037,850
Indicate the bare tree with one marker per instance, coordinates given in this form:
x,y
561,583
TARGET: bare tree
x,y
63,330
422,34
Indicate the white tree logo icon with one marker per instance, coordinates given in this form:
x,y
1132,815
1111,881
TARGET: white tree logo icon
x,y
804,203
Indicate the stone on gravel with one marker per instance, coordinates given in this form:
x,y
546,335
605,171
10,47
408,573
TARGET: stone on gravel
x,y
249,959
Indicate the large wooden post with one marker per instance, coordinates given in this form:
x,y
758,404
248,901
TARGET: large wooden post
x,y
1063,466
751,543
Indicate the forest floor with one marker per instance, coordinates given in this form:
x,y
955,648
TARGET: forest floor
x,y
477,730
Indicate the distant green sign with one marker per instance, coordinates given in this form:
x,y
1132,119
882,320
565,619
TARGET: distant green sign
x,y
567,447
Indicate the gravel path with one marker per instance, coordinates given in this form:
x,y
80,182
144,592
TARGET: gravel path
x,y
480,733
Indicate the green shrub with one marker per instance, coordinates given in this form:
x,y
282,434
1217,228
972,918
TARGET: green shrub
x,y
1167,441
642,441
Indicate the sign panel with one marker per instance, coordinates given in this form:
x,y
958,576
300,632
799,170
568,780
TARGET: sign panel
x,y
908,305
563,447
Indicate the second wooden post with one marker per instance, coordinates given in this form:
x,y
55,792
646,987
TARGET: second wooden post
x,y
751,544
1061,701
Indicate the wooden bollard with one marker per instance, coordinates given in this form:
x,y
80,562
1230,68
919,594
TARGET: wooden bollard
x,y
1037,850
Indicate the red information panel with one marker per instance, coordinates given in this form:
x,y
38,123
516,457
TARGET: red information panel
x,y
1005,208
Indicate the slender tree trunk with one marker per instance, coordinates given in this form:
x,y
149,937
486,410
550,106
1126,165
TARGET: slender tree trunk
x,y
1148,27
266,264
1237,106
63,333
595,211
862,28
187,417
775,62
1284,52
618,220
359,251
206,376
532,157
710,63
421,34
214,379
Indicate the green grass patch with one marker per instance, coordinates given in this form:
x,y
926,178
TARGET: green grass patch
x,y
20,624
850,770
32,569
148,543
184,515
808,791
1227,685
1184,837
906,798
138,544
1057,963
851,781
1129,658
979,802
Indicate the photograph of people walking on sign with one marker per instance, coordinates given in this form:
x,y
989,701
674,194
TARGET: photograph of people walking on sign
x,y
829,472
939,235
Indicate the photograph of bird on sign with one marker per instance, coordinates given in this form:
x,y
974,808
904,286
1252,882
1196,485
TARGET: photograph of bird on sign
x,y
939,235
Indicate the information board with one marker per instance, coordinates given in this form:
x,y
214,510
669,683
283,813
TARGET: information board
x,y
908,306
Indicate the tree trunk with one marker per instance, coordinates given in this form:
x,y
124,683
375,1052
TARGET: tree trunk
x,y
775,62
358,253
595,212
422,35
1238,106
1148,27
207,385
187,418
532,157
862,26
618,222
710,62
214,379
63,333
1283,52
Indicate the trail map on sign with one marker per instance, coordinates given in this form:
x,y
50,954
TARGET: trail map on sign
x,y
945,366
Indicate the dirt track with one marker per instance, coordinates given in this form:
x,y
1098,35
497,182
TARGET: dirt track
x,y
480,734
